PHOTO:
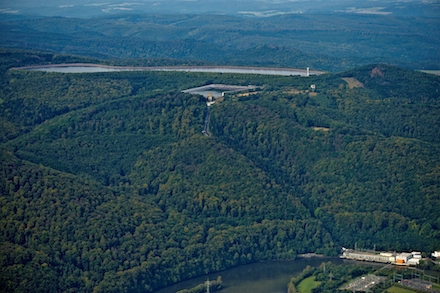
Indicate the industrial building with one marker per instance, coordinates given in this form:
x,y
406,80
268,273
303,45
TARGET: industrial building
x,y
368,256
404,258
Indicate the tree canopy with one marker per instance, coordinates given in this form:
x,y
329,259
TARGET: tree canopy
x,y
109,185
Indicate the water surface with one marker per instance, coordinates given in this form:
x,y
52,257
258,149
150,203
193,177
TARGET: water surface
x,y
261,277
77,69
91,68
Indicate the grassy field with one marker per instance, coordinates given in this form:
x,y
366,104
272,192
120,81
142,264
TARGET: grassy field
x,y
308,284
396,289
353,82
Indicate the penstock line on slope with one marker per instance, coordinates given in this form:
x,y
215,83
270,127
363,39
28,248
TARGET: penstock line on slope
x,y
206,126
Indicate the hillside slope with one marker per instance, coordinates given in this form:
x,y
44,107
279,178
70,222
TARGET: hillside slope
x,y
365,158
109,185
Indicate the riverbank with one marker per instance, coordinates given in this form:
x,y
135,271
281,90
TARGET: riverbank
x,y
208,286
311,255
258,277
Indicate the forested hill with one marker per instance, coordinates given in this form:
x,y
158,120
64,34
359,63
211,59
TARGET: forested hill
x,y
331,41
109,185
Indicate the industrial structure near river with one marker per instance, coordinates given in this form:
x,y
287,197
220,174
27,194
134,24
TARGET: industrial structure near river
x,y
402,258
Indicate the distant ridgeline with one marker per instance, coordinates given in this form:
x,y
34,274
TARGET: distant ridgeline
x,y
109,185
332,42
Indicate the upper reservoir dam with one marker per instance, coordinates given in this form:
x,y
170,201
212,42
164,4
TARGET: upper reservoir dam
x,y
92,68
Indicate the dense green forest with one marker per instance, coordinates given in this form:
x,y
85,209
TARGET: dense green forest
x,y
109,185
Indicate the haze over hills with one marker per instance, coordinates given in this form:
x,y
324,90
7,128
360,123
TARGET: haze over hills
x,y
88,8
332,42
324,35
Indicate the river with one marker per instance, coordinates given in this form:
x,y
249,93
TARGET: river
x,y
91,68
260,277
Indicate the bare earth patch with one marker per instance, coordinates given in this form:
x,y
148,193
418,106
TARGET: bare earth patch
x,y
353,82
321,129
246,94
376,71
294,91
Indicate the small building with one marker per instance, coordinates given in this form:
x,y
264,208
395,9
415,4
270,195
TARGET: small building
x,y
389,254
413,261
403,258
417,254
436,254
